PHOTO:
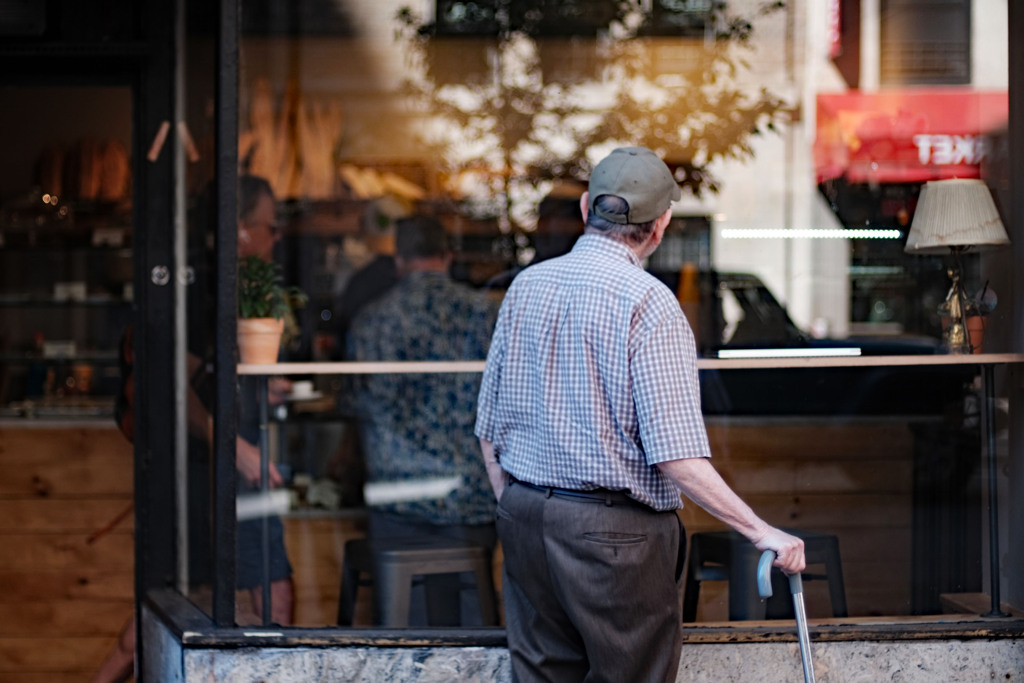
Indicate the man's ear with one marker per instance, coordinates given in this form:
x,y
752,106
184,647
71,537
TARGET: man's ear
x,y
661,225
585,205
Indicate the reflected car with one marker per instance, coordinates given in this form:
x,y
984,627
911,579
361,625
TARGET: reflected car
x,y
739,316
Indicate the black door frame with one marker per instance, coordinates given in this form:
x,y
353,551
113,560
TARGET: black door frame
x,y
153,176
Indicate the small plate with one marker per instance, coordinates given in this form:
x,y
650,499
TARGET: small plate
x,y
305,397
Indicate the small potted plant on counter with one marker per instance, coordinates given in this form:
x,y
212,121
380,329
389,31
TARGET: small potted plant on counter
x,y
976,317
264,303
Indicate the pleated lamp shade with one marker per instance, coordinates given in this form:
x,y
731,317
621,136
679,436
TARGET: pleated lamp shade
x,y
955,213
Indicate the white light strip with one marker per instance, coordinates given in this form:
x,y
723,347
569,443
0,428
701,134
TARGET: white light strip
x,y
383,492
823,234
789,353
269,504
362,368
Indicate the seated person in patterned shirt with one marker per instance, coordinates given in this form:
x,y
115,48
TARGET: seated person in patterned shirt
x,y
425,473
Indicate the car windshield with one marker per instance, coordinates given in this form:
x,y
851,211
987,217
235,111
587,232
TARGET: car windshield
x,y
751,316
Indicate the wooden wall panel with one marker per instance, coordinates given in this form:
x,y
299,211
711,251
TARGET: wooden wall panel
x,y
62,618
812,438
77,583
849,476
45,654
71,463
316,550
60,486
66,597
63,514
819,477
854,480
65,551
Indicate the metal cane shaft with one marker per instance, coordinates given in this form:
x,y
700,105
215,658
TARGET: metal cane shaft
x,y
796,588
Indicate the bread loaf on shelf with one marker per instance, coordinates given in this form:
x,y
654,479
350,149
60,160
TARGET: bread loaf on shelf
x,y
89,170
114,172
49,171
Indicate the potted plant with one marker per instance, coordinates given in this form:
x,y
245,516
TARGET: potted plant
x,y
263,304
976,317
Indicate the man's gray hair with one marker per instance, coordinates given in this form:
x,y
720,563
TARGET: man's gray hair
x,y
420,236
250,189
630,233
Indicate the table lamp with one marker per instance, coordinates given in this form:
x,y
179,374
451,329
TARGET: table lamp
x,y
955,216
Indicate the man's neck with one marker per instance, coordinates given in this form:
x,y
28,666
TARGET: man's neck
x,y
427,264
639,249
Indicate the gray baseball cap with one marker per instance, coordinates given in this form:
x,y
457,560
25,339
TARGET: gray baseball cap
x,y
640,177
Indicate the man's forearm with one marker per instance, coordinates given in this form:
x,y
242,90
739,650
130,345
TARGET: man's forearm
x,y
701,483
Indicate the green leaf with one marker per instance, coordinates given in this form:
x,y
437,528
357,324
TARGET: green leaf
x,y
261,293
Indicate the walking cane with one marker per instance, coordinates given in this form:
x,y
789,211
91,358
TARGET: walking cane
x,y
796,587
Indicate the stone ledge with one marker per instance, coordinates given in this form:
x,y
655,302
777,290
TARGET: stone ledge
x,y
933,651
195,630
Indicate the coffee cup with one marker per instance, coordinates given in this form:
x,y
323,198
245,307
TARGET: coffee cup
x,y
302,389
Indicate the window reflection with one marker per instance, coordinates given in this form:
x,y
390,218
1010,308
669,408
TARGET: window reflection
x,y
488,120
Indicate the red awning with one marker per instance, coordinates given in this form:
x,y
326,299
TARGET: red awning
x,y
906,136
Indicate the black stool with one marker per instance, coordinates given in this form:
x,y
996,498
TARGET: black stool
x,y
392,564
729,556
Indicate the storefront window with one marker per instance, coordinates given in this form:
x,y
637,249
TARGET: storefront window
x,y
800,188
196,243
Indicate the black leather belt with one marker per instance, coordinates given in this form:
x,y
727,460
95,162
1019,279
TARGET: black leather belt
x,y
606,496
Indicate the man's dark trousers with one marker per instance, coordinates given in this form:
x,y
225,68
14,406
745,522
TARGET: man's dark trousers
x,y
591,589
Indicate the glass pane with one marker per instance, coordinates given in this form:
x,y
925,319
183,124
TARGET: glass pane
x,y
906,483
197,204
790,239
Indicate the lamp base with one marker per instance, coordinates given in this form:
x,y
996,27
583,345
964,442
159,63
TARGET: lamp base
x,y
966,336
954,338
958,335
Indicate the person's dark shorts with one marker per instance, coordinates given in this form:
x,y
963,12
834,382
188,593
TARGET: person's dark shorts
x,y
250,534
250,548
250,552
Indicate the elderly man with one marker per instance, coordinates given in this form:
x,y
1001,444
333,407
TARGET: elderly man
x,y
590,424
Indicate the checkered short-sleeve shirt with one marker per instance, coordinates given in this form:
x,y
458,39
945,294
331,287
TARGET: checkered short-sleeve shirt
x,y
591,378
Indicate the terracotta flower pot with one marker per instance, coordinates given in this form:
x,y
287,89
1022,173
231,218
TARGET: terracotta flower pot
x,y
976,329
259,340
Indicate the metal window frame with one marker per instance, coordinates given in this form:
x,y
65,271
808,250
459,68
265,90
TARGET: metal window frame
x,y
225,422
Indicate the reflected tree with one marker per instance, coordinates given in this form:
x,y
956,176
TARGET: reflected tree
x,y
518,93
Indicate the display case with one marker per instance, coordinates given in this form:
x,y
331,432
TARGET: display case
x,y
66,238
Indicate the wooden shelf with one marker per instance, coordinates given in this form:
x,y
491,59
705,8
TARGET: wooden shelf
x,y
28,302
358,368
